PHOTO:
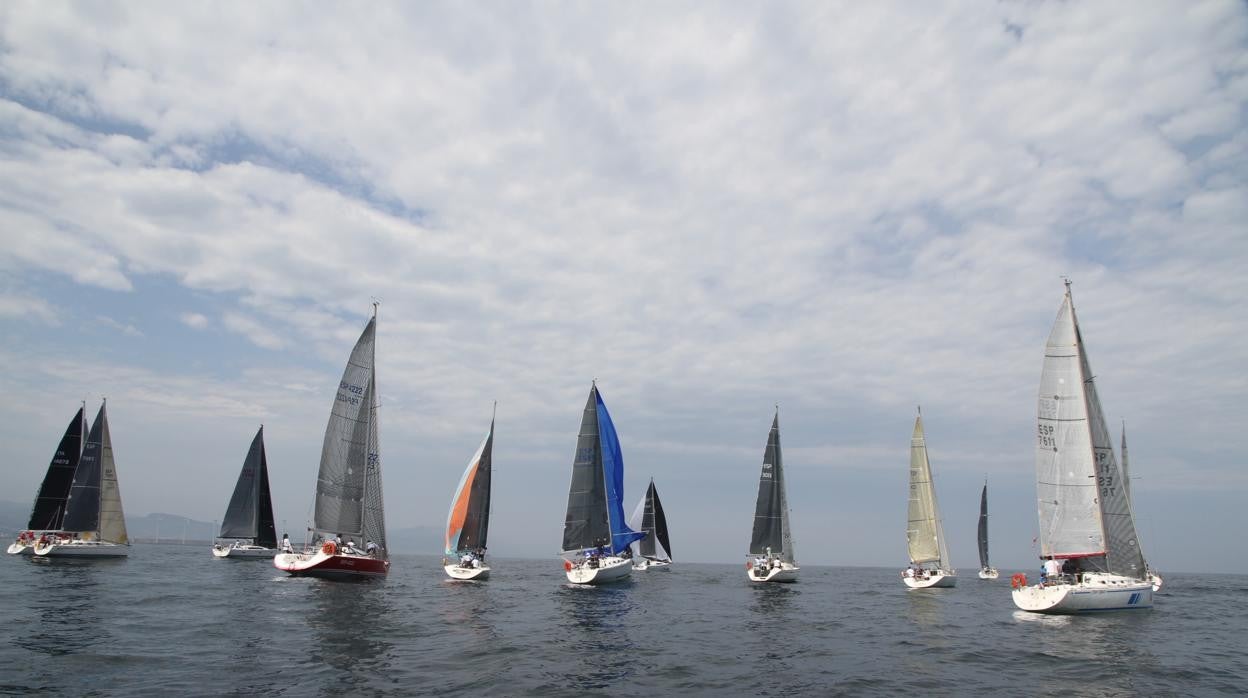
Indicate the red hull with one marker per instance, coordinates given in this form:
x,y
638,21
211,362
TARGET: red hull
x,y
331,566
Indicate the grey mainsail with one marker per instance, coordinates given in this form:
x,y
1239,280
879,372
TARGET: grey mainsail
x,y
925,535
250,511
348,483
586,524
983,528
771,532
94,505
49,508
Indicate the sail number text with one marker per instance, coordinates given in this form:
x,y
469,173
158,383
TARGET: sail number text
x,y
1045,436
353,390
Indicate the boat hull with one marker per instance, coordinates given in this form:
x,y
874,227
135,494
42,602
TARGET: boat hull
x,y
243,552
1156,580
1095,593
784,573
466,574
20,549
989,573
609,569
82,549
648,564
936,579
331,566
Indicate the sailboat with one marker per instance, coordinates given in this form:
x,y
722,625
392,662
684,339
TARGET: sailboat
x,y
348,485
986,570
595,537
655,550
1153,576
468,522
94,524
771,542
249,516
1092,555
49,509
925,534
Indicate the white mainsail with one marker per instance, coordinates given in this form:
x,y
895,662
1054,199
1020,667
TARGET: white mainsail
x,y
112,518
924,532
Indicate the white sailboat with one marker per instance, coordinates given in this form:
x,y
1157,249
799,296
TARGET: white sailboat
x,y
1092,555
772,557
1153,576
94,524
925,534
349,506
655,550
249,516
468,523
595,536
986,570
48,511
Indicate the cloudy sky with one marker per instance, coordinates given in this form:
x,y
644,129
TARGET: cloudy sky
x,y
711,208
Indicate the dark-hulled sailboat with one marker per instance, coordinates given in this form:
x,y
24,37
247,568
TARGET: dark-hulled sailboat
x,y
94,524
49,509
349,503
468,523
595,535
771,541
655,550
249,515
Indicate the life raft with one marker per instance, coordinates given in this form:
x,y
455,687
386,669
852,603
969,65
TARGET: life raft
x,y
329,548
567,566
1018,581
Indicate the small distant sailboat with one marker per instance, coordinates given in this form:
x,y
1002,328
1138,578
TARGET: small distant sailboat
x,y
249,516
986,570
1153,575
925,534
771,542
468,522
594,532
49,509
94,524
1088,541
655,550
348,485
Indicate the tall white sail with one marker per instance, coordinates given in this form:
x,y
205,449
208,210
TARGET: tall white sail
x,y
112,518
924,533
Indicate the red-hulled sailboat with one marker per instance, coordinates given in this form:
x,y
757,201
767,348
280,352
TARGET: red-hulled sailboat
x,y
348,534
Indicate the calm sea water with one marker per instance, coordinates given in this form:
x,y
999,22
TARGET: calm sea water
x,y
174,620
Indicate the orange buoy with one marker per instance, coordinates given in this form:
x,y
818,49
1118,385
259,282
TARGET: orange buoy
x,y
567,566
1018,581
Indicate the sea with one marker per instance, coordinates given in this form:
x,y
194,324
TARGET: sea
x,y
173,621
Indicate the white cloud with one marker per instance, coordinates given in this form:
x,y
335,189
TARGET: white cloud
x,y
194,320
123,327
15,306
254,330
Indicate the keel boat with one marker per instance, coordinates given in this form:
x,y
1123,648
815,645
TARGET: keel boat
x,y
925,534
771,541
468,522
249,516
49,509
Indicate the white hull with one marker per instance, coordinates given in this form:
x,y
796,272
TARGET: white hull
x,y
479,574
989,573
82,548
609,569
20,549
935,579
786,572
243,552
647,563
1097,592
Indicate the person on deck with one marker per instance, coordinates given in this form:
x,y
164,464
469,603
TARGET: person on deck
x,y
370,548
286,546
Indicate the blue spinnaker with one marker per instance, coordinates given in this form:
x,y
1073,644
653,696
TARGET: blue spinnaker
x,y
613,473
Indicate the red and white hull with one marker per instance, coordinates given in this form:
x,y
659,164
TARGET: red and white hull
x,y
331,566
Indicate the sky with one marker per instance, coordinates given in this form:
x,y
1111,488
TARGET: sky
x,y
844,209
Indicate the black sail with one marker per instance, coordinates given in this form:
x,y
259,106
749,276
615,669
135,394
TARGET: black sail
x,y
654,523
586,524
266,534
983,527
769,513
242,515
49,508
477,519
82,510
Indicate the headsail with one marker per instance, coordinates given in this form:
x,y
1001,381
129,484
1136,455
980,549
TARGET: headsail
x,y
348,485
94,505
250,511
649,518
468,522
595,515
771,510
924,532
983,528
49,508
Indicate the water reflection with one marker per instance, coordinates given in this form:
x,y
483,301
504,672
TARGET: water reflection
x,y
469,606
67,604
593,635
352,630
769,626
925,609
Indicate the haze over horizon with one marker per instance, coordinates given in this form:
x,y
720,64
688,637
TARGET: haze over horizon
x,y
847,210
